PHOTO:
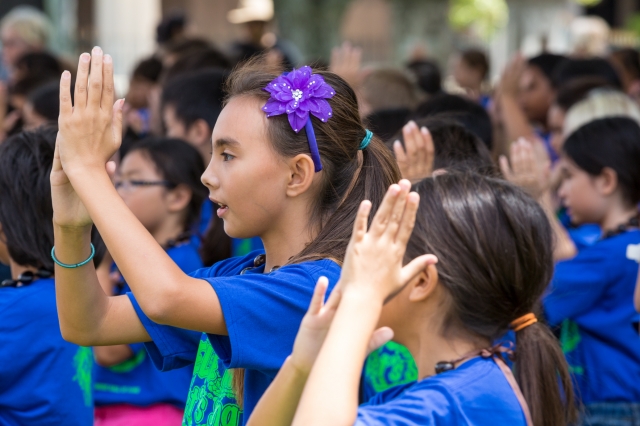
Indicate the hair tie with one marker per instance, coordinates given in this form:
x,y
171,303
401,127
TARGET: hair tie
x,y
523,322
367,139
297,94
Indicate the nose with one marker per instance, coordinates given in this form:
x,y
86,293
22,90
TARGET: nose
x,y
210,178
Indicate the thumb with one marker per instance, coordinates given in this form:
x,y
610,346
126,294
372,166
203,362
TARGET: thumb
x,y
379,338
416,266
111,169
505,169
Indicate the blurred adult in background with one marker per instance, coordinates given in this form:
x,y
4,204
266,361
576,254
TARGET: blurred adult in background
x,y
171,29
470,72
255,16
573,68
24,29
388,98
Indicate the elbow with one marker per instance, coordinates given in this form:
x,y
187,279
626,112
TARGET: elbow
x,y
72,336
160,306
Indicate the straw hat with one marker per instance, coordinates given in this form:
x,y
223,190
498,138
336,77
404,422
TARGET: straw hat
x,y
251,10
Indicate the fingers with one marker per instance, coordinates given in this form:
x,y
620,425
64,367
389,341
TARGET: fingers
x,y
398,211
429,148
379,223
408,220
66,106
57,165
361,222
108,89
379,338
417,265
80,97
410,142
317,301
401,157
94,93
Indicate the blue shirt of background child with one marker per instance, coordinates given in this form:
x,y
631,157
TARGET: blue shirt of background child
x,y
591,298
262,312
136,381
476,393
44,380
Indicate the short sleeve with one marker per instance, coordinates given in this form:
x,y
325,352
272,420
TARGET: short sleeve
x,y
263,313
408,408
577,285
171,347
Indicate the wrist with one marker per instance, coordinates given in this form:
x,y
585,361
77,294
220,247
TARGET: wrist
x,y
363,295
299,369
72,230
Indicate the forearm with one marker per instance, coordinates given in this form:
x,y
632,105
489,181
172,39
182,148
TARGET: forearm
x,y
81,302
157,282
636,295
515,121
278,405
335,376
564,248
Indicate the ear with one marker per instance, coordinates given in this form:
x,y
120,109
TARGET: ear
x,y
423,286
178,198
199,132
301,175
607,181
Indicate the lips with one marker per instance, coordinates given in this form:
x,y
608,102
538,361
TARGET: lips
x,y
222,208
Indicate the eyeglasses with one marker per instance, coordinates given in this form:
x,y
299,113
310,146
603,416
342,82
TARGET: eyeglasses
x,y
128,185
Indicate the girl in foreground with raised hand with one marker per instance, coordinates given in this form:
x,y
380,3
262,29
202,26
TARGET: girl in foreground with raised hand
x,y
298,189
448,315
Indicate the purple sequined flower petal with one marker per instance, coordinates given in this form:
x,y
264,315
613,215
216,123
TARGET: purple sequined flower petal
x,y
297,121
324,111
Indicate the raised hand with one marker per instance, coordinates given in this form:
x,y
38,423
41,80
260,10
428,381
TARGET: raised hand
x,y
374,258
315,326
529,170
346,61
91,130
416,158
510,79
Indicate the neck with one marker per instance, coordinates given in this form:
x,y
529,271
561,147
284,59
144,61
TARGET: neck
x,y
617,215
169,230
288,238
429,347
17,270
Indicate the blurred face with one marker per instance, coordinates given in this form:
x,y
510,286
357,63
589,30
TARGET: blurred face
x,y
175,127
13,46
245,177
555,121
536,94
138,94
395,313
138,184
579,194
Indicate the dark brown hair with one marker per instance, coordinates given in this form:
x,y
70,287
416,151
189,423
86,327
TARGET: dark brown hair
x,y
494,245
349,174
477,60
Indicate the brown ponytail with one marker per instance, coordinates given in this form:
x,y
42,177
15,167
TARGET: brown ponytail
x,y
494,245
349,174
539,366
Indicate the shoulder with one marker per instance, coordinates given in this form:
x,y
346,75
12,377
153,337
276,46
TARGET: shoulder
x,y
314,269
38,297
186,256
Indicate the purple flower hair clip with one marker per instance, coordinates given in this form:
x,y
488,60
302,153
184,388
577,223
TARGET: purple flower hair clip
x,y
298,94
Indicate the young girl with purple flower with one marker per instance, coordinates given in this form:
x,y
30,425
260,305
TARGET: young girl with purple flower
x,y
296,188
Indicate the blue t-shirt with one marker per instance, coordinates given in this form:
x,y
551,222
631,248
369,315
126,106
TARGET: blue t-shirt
x,y
44,380
582,235
136,381
262,312
476,393
591,298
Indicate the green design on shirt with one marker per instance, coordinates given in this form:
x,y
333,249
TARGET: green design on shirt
x,y
211,400
389,366
83,363
107,387
131,363
569,340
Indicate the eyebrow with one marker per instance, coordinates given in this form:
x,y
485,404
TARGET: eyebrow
x,y
222,142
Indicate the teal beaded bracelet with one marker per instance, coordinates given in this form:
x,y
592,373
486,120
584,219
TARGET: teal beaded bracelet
x,y
77,265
